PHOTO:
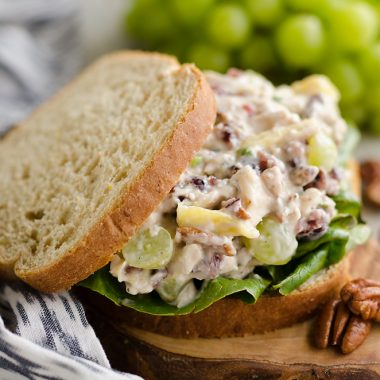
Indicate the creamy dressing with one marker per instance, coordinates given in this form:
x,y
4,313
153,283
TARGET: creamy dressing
x,y
253,166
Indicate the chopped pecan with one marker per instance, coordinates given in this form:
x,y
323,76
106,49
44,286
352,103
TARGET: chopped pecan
x,y
363,298
303,174
235,205
356,332
221,244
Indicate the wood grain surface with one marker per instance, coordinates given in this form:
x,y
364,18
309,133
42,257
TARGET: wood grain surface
x,y
282,354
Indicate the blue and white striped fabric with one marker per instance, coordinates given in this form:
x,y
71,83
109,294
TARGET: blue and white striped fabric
x,y
40,50
42,336
47,336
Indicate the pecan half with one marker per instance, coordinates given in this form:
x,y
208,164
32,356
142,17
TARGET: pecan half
x,y
363,298
324,324
336,325
341,319
370,171
348,321
357,330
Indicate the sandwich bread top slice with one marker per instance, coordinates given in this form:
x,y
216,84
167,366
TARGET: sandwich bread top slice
x,y
86,169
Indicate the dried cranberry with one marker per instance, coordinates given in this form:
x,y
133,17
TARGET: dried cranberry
x,y
199,183
312,227
227,135
212,180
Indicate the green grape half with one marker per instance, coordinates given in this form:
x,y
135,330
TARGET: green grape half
x,y
276,244
147,250
345,75
228,26
300,40
208,57
353,26
258,55
265,12
322,151
170,287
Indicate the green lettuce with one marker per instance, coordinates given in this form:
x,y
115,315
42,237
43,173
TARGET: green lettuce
x,y
104,283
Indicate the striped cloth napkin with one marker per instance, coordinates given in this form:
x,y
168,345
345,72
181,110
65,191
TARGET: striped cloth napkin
x,y
47,336
39,52
42,336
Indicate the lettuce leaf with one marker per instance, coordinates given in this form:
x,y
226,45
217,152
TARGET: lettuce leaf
x,y
104,283
347,204
309,265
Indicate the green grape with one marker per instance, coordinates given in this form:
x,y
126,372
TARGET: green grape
x,y
353,26
208,57
228,26
170,287
374,124
346,77
322,151
265,12
276,244
147,250
149,22
372,98
369,63
319,7
300,40
190,12
173,48
354,112
258,55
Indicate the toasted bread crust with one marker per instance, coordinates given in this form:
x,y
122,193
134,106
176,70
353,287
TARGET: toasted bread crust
x,y
139,200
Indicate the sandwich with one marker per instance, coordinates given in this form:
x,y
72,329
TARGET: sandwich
x,y
202,205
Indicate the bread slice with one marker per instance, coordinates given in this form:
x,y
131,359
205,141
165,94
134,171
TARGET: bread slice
x,y
85,170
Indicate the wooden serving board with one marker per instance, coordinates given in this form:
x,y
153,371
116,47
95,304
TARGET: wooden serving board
x,y
282,354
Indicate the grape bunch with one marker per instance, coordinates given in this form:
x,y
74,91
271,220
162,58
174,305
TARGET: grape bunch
x,y
282,39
